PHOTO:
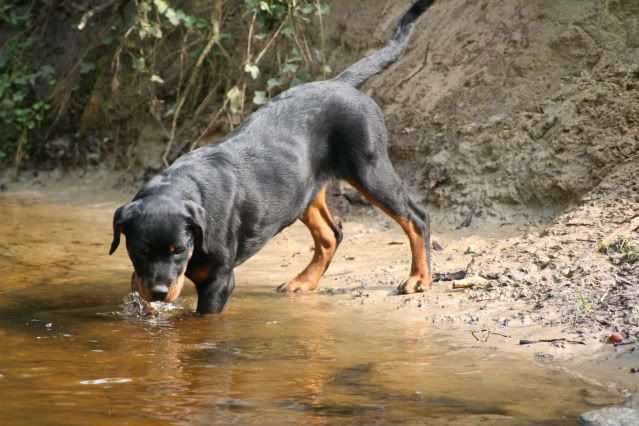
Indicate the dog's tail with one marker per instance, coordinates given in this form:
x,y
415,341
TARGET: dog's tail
x,y
358,73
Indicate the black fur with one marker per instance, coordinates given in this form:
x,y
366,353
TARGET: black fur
x,y
225,201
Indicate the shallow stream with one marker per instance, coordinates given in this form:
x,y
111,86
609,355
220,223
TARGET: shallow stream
x,y
70,353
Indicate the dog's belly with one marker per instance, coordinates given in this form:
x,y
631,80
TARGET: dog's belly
x,y
267,215
249,245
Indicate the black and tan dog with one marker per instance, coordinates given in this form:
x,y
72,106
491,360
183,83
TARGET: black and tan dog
x,y
218,205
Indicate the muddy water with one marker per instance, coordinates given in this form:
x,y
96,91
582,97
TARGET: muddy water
x,y
69,353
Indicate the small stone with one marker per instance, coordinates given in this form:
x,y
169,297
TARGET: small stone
x,y
544,357
615,338
567,272
619,416
471,250
542,260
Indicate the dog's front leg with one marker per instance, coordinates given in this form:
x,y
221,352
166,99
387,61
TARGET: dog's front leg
x,y
215,291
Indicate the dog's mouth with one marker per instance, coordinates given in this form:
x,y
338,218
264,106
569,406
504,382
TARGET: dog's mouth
x,y
166,294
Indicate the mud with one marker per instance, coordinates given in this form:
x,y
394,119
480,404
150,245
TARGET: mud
x,y
353,351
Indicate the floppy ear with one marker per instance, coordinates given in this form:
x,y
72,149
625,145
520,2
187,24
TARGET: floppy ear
x,y
197,219
122,215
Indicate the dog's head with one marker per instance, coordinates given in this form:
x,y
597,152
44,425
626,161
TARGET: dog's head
x,y
161,235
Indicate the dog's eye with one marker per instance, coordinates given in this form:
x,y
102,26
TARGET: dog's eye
x,y
175,250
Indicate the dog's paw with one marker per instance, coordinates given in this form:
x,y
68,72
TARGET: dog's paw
x,y
415,284
297,286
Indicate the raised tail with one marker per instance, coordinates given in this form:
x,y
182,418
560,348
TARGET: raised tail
x,y
358,73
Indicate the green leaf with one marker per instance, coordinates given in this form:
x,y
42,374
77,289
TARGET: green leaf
x,y
139,64
273,83
235,99
260,98
290,67
254,70
107,40
161,6
172,16
287,32
203,24
157,79
189,21
307,9
324,9
155,30
86,67
265,6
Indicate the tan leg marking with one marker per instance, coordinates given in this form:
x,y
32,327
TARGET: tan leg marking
x,y
317,218
420,275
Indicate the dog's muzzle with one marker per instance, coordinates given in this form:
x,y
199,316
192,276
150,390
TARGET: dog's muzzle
x,y
157,292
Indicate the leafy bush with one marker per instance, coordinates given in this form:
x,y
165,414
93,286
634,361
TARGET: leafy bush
x,y
22,111
186,66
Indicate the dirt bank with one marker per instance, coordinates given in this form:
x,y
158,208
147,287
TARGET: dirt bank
x,y
505,106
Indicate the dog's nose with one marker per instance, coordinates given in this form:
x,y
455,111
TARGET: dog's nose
x,y
159,292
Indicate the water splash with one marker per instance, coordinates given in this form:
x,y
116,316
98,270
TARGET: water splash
x,y
135,306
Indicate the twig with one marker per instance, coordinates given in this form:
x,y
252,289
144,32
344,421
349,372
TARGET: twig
x,y
269,43
211,124
19,153
249,43
291,18
623,280
585,240
92,12
563,339
338,274
481,331
459,274
424,65
489,333
213,40
322,38
469,282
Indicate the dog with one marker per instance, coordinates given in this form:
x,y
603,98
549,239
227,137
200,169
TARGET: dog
x,y
217,206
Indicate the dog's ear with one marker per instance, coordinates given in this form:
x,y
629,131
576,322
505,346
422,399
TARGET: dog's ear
x,y
122,216
197,219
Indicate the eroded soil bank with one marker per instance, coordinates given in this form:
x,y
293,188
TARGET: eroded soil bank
x,y
353,350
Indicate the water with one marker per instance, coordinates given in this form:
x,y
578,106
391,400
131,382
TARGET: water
x,y
75,350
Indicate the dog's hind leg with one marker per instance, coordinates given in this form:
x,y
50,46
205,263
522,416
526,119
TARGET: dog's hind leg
x,y
382,188
326,235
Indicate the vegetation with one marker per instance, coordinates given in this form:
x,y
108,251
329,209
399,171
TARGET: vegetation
x,y
628,250
191,67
